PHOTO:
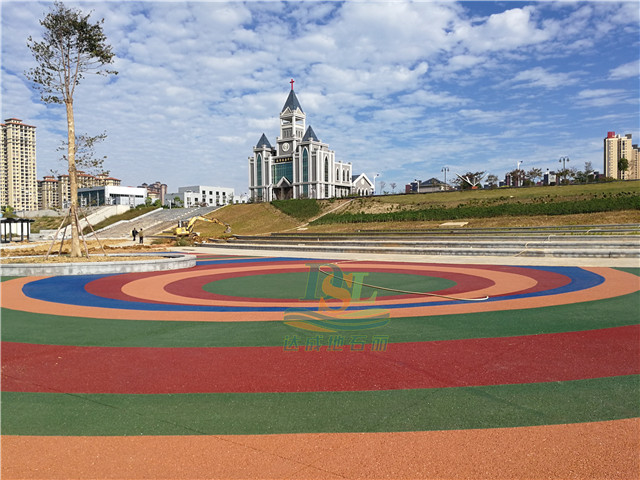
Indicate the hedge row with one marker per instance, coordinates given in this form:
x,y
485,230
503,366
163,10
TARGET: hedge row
x,y
482,211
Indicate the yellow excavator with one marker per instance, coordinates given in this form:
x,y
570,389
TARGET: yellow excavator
x,y
187,230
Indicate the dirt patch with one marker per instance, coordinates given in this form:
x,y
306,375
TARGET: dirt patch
x,y
37,252
67,259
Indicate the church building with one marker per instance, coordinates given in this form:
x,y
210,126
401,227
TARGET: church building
x,y
299,165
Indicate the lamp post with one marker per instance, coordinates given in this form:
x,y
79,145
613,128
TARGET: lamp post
x,y
445,170
518,173
374,182
564,160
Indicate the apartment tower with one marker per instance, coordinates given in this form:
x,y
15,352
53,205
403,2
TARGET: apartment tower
x,y
615,148
18,182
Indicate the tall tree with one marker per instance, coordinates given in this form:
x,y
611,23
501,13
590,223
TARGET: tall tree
x,y
534,174
623,166
70,48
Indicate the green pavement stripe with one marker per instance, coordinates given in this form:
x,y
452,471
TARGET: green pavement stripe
x,y
294,284
369,411
18,326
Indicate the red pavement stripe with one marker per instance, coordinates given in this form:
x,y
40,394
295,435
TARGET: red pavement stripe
x,y
193,287
471,362
111,287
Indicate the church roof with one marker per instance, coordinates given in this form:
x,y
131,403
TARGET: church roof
x,y
310,135
292,102
263,142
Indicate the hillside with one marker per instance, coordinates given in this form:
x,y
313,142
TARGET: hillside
x,y
262,218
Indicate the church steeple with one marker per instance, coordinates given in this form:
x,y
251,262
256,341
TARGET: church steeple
x,y
292,120
292,103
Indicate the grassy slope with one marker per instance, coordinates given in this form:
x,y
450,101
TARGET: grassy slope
x,y
255,219
247,219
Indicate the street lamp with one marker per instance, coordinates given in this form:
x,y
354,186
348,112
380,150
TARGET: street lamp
x,y
518,173
445,170
564,160
374,182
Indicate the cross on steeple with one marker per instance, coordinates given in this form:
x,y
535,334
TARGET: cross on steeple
x,y
291,82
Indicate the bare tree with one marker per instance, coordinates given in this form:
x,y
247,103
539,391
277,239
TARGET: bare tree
x,y
86,159
492,181
71,47
393,187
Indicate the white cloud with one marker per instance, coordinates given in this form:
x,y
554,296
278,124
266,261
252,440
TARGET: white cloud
x,y
627,70
419,83
540,77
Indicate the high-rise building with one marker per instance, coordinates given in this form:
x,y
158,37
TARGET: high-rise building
x,y
617,147
18,182
48,194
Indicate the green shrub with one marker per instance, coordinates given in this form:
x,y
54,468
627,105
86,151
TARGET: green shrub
x,y
615,202
301,209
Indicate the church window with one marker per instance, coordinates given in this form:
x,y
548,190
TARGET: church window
x,y
326,170
305,165
284,169
259,170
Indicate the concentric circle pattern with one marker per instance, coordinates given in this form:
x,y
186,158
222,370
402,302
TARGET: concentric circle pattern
x,y
392,347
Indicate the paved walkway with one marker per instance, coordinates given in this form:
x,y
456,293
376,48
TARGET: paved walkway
x,y
367,366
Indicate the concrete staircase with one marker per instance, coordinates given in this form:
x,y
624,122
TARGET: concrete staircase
x,y
153,222
603,241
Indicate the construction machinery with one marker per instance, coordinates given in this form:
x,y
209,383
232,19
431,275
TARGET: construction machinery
x,y
185,229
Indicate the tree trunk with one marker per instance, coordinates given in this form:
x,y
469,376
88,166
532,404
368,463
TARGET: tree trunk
x,y
73,180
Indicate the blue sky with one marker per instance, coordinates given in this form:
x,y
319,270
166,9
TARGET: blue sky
x,y
398,88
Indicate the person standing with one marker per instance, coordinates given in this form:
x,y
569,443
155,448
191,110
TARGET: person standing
x,y
134,232
141,235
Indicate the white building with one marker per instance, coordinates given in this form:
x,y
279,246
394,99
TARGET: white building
x,y
299,166
201,195
617,147
111,195
18,182
361,185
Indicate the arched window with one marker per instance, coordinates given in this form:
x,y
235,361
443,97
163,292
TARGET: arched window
x,y
259,170
305,171
326,169
305,165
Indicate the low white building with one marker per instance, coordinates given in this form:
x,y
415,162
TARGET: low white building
x,y
361,186
201,195
111,195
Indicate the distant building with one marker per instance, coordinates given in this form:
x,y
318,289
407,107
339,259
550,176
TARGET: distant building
x,y
55,193
427,186
549,178
156,191
617,147
201,195
18,181
361,185
111,195
299,165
